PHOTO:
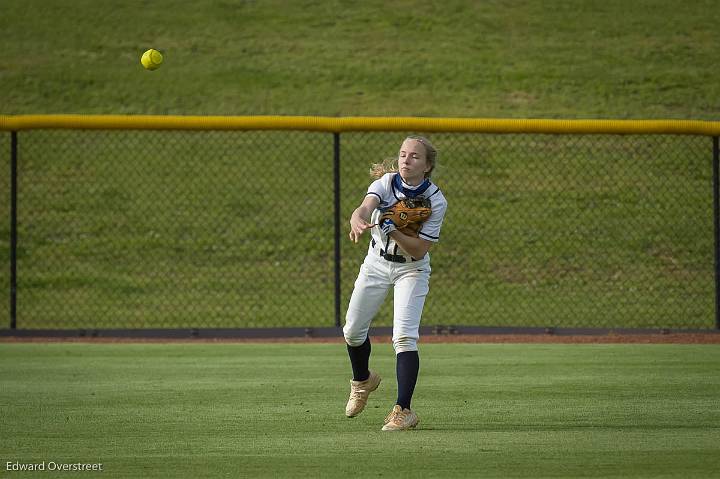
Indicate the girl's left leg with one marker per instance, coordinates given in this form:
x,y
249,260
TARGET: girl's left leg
x,y
407,368
410,293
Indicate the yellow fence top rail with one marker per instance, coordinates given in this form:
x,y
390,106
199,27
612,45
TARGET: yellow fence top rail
x,y
342,124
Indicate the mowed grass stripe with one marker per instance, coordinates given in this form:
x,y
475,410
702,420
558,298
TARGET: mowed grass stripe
x,y
277,410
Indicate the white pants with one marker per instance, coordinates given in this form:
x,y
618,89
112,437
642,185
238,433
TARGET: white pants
x,y
377,275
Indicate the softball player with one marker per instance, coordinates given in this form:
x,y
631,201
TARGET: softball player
x,y
396,260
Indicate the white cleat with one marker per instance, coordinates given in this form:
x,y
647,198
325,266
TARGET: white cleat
x,y
359,393
400,419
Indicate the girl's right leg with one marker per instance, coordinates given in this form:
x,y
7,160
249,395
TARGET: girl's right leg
x,y
371,288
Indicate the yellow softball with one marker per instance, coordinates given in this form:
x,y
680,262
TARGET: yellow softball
x,y
151,59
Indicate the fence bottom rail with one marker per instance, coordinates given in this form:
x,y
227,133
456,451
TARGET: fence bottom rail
x,y
437,331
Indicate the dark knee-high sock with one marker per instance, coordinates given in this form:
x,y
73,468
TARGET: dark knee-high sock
x,y
407,368
359,359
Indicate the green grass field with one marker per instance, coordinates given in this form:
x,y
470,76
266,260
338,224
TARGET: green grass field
x,y
272,410
153,230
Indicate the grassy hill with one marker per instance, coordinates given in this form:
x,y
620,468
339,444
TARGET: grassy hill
x,y
564,59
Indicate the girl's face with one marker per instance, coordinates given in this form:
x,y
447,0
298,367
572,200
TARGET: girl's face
x,y
412,162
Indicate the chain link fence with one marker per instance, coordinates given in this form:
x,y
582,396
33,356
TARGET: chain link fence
x,y
236,229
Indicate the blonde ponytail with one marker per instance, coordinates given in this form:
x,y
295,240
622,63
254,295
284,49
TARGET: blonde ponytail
x,y
377,170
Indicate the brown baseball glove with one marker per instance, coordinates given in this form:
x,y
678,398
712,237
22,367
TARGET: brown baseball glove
x,y
409,215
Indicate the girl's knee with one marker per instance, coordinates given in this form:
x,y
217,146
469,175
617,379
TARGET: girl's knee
x,y
404,343
354,338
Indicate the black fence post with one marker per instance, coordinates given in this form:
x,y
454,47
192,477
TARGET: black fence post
x,y
336,191
716,216
13,229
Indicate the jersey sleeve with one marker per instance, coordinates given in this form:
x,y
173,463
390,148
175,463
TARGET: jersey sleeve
x,y
430,230
381,188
